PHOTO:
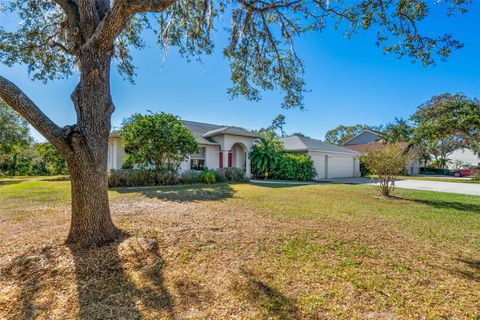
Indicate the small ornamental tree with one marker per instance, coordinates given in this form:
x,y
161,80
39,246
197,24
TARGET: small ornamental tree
x,y
387,164
158,139
58,38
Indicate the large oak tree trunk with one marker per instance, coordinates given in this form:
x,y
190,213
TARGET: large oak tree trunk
x,y
91,220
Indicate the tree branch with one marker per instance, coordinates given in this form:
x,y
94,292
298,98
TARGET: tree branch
x,y
19,102
71,10
119,15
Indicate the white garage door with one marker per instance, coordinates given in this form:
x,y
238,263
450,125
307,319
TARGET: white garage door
x,y
340,167
319,165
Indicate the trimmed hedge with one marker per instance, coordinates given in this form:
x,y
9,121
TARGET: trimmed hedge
x,y
155,177
427,170
297,167
140,178
230,174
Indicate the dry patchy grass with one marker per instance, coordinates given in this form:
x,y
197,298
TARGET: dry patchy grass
x,y
243,251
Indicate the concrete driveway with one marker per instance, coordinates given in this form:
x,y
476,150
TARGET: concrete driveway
x,y
438,186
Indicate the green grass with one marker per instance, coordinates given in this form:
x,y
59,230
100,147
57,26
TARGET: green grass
x,y
432,215
258,251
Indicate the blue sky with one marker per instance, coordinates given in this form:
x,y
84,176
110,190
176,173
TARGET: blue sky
x,y
349,81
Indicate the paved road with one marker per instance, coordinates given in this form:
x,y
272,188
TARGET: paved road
x,y
438,186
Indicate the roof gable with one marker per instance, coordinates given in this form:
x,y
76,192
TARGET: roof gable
x,y
366,136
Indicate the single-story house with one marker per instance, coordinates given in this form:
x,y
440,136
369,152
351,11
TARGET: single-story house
x,y
219,146
369,141
330,161
229,146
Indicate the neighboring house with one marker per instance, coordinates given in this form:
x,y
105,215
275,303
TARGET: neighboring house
x,y
330,161
368,141
364,137
463,157
219,146
229,146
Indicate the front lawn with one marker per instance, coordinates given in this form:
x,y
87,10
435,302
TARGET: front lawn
x,y
243,251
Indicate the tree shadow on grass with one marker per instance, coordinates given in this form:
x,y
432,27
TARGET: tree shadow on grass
x,y
105,290
116,281
185,193
279,185
469,207
56,178
26,272
7,182
271,302
471,270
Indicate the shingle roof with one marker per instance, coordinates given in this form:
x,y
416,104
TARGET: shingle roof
x,y
198,129
203,131
231,130
297,143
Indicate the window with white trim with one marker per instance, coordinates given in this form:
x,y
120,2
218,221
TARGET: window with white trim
x,y
197,160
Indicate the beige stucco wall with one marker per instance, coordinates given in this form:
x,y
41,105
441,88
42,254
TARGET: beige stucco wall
x,y
239,145
211,158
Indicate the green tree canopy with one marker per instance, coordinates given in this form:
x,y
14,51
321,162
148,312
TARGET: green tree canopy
x,y
50,159
14,131
15,140
158,139
400,130
342,134
450,116
260,47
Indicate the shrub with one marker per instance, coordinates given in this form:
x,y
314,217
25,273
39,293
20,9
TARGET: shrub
x,y
363,169
153,177
230,174
140,178
294,167
429,170
189,177
208,176
387,163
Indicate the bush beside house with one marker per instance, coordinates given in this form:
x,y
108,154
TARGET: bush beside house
x,y
158,177
269,160
294,167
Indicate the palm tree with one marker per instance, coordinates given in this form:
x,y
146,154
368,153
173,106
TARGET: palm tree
x,y
265,155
